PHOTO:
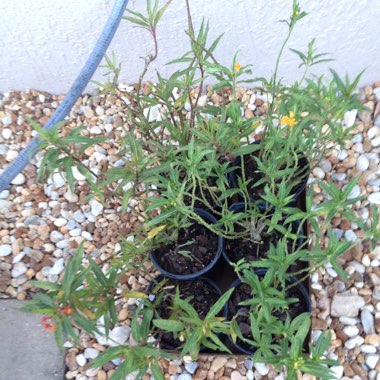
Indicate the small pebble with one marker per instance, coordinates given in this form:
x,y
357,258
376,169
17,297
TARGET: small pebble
x,y
20,179
354,342
5,250
6,133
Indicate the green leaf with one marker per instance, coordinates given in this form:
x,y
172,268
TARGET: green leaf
x,y
219,304
45,285
169,325
157,372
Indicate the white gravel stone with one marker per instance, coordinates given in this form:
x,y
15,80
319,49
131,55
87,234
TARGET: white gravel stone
x,y
191,367
71,197
58,180
368,349
346,305
6,133
338,176
18,258
118,335
351,331
354,342
261,368
7,120
86,235
331,272
99,157
96,207
318,173
368,322
18,269
56,236
96,130
184,376
79,216
350,235
153,113
362,163
77,175
355,192
375,142
325,165
358,138
371,360
202,101
60,222
372,132
4,194
374,198
349,117
20,179
58,267
75,232
88,112
376,91
348,321
342,154
5,250
99,111
81,360
337,371
11,155
90,353
359,267
366,261
3,149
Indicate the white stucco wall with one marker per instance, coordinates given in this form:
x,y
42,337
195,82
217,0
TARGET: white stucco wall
x,y
44,43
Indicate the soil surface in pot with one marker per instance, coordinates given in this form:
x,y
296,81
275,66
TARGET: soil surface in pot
x,y
243,293
252,174
238,249
190,258
203,297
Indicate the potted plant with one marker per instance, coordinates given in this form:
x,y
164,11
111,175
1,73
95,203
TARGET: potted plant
x,y
180,173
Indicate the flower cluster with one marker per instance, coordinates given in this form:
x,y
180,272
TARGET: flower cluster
x,y
47,321
289,120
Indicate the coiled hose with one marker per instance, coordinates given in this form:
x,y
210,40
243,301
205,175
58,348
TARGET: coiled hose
x,y
11,171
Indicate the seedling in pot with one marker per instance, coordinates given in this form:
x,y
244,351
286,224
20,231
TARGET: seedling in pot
x,y
194,331
261,295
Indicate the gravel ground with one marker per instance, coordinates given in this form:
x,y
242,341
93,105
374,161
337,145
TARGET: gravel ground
x,y
41,225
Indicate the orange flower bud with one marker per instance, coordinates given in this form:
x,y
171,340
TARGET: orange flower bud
x,y
68,310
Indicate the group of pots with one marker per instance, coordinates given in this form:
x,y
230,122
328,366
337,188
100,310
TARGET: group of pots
x,y
199,251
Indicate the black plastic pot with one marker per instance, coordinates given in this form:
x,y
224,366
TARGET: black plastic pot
x,y
158,279
233,179
261,273
236,207
205,215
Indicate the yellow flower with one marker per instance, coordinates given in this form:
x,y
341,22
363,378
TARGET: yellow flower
x,y
289,120
237,66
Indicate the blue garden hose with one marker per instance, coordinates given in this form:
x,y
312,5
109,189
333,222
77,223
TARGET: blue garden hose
x,y
71,97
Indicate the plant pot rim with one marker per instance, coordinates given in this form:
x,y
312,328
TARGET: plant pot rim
x,y
219,251
261,272
236,206
202,278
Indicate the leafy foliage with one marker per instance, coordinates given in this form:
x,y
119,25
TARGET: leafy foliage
x,y
186,158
